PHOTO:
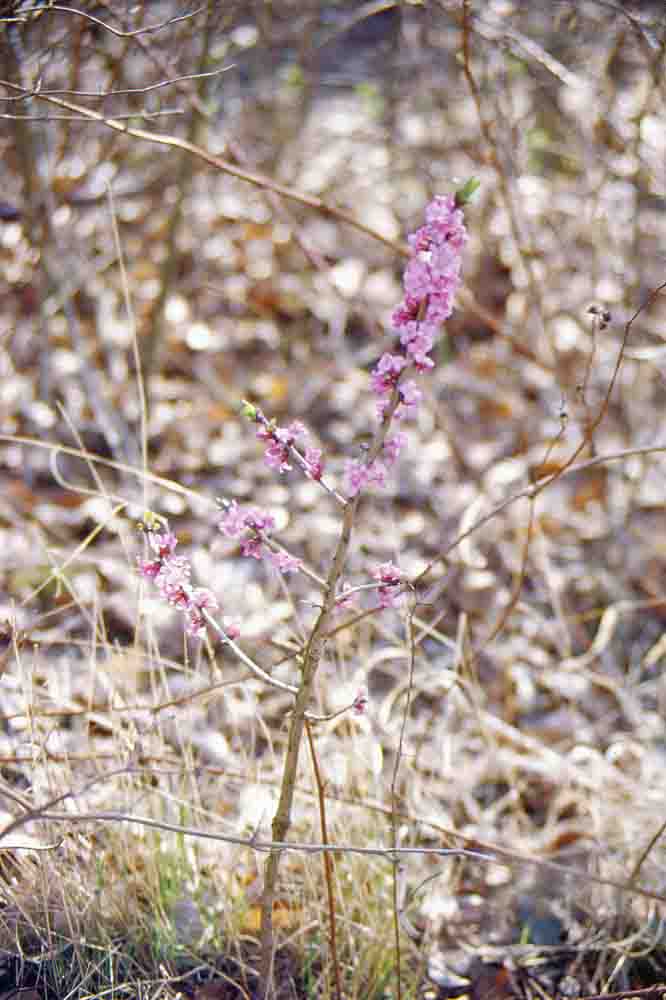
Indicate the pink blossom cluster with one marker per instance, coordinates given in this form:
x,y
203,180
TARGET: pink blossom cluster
x,y
360,474
385,378
281,448
390,577
431,280
171,575
361,701
252,528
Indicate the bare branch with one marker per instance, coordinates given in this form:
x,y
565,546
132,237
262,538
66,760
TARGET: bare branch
x,y
107,27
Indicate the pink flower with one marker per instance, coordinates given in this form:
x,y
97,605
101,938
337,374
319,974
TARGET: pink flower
x,y
252,527
314,463
356,475
281,441
230,629
173,581
418,279
232,523
405,313
360,702
418,340
285,562
447,220
431,279
376,472
255,523
200,599
385,376
281,450
390,577
392,448
410,397
359,474
163,543
410,394
252,547
445,265
260,525
258,520
440,307
171,575
149,569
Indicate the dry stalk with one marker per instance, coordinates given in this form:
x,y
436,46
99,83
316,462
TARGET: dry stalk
x,y
282,819
328,863
397,900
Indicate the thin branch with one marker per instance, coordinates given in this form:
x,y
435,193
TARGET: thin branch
x,y
249,176
102,95
166,112
107,27
569,466
263,846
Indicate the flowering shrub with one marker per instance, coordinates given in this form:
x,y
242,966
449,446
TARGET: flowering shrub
x,y
431,279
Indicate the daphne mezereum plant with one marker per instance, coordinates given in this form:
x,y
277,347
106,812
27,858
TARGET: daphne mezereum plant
x,y
431,279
